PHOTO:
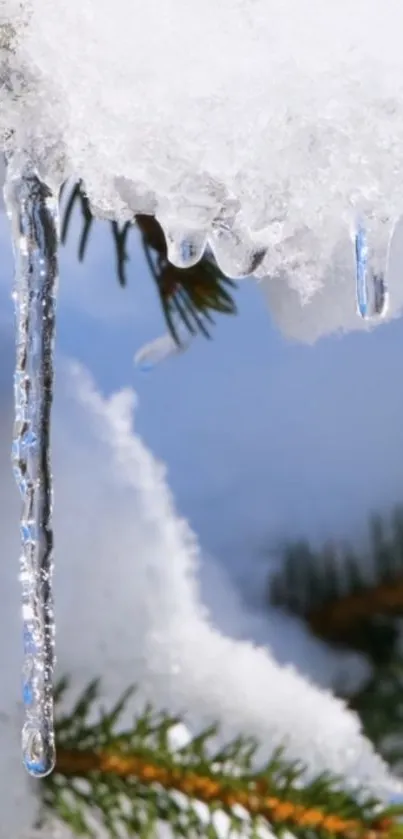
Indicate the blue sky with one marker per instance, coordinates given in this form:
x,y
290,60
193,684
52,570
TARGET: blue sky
x,y
263,438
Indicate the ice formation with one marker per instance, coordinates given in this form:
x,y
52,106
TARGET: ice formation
x,y
268,127
33,212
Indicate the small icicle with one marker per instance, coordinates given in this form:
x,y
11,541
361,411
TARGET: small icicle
x,y
234,249
33,211
372,245
185,249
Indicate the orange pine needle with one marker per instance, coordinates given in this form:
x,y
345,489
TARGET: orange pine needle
x,y
255,798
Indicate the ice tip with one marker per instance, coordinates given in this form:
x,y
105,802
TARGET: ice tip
x,y
38,750
38,768
362,310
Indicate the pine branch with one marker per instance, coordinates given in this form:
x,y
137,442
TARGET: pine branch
x,y
379,705
131,779
189,294
327,590
339,617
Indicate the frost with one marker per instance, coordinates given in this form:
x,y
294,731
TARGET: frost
x,y
267,126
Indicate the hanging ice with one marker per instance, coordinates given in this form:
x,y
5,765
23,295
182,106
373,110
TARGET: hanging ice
x,y
184,249
234,249
295,125
371,286
33,212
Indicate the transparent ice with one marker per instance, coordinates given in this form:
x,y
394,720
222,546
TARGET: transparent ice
x,y
185,249
33,212
258,126
371,288
361,256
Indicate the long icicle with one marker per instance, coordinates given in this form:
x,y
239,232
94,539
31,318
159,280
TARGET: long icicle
x,y
33,211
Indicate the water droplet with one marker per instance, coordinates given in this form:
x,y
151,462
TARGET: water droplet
x,y
234,249
185,249
38,751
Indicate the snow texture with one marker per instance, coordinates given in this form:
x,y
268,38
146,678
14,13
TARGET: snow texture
x,y
271,124
139,618
333,307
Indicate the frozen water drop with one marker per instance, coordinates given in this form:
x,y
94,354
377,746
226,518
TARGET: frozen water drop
x,y
38,751
233,247
33,212
185,249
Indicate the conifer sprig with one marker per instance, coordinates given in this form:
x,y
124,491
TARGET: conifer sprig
x,y
189,296
328,589
129,780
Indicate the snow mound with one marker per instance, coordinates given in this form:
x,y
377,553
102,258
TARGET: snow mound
x,y
178,657
129,609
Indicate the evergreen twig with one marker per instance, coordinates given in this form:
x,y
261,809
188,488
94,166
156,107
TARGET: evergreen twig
x,y
344,608
379,704
337,602
190,294
131,779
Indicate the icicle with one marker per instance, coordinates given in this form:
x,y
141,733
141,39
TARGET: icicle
x,y
371,264
185,249
33,212
234,250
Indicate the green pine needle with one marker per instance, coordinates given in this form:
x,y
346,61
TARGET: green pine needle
x,y
129,780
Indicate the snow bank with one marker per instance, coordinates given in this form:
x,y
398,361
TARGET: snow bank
x,y
128,606
177,656
260,123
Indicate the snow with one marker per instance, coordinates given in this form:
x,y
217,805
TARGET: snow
x,y
128,604
179,656
287,131
272,123
333,308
